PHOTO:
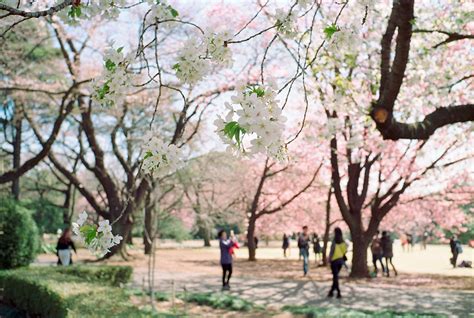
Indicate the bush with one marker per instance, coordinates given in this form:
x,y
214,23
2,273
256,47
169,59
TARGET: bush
x,y
31,295
48,217
114,275
62,292
19,240
173,228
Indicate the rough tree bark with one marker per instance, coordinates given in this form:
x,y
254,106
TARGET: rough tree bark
x,y
18,124
392,74
327,227
251,239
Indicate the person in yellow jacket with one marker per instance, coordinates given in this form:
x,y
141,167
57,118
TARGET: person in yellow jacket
x,y
337,256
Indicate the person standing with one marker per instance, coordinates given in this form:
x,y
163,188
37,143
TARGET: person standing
x,y
456,249
377,252
317,249
286,244
387,247
63,248
303,244
225,246
337,257
424,240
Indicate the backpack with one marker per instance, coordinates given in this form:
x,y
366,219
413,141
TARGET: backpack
x,y
458,247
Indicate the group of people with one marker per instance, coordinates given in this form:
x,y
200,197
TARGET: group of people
x,y
337,255
303,244
382,247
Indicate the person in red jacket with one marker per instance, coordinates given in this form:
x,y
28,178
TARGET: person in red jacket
x,y
236,244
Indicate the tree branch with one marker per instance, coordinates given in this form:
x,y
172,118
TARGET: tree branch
x,y
37,14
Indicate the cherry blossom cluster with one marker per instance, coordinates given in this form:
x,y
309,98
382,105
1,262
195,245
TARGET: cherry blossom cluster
x,y
161,158
113,85
99,240
107,9
161,10
254,113
199,55
286,23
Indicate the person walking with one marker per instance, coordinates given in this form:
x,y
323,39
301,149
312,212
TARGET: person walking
x,y
337,257
387,247
298,243
286,244
317,249
456,249
225,246
303,244
63,248
377,252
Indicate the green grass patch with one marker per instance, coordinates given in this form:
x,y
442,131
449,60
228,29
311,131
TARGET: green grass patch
x,y
159,295
311,311
70,292
220,301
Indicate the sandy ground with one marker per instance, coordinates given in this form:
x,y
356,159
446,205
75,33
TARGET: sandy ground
x,y
426,281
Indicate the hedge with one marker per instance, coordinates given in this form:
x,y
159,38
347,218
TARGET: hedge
x,y
114,275
63,292
19,239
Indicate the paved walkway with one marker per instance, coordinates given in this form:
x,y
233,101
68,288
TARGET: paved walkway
x,y
277,293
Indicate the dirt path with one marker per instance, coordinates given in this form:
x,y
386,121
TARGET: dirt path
x,y
275,282
276,293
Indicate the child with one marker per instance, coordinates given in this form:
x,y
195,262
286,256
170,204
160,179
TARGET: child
x,y
236,244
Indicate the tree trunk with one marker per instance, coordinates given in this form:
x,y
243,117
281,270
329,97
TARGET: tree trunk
x,y
250,239
123,227
149,230
326,239
125,230
15,189
328,226
207,237
359,255
67,205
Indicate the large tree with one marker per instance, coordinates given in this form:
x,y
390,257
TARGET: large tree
x,y
403,24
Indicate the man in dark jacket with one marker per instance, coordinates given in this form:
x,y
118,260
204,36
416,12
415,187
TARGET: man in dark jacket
x,y
456,249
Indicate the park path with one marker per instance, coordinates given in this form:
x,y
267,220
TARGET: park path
x,y
276,293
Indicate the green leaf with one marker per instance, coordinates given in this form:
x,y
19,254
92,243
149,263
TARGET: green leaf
x,y
173,11
373,88
104,90
120,49
75,12
413,21
234,132
330,30
148,154
176,67
109,65
89,232
351,60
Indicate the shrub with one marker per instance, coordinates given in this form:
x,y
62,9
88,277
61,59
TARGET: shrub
x,y
31,295
114,275
47,215
173,228
62,292
19,240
